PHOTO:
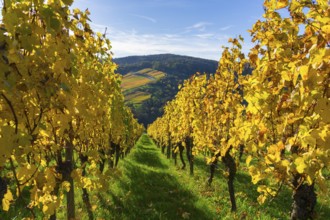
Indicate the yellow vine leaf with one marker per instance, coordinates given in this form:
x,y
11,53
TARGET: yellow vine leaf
x,y
326,29
50,178
248,160
48,204
255,174
300,164
323,2
322,183
261,199
8,197
94,207
276,4
7,140
282,4
66,186
304,72
309,140
286,164
25,173
87,183
323,109
309,180
67,2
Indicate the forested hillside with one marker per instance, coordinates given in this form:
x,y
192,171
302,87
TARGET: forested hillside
x,y
169,63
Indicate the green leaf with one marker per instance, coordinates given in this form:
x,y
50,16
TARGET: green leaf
x,y
67,2
55,24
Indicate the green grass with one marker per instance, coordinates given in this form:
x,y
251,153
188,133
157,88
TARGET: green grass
x,y
146,185
149,190
152,187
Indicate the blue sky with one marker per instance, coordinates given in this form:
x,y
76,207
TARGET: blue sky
x,y
187,27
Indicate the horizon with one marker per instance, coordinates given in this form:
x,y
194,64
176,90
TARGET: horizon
x,y
164,54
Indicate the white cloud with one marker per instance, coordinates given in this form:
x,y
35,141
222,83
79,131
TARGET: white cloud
x,y
132,42
145,17
205,36
171,3
200,26
125,44
98,27
226,27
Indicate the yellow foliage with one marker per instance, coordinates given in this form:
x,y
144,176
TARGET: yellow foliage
x,y
58,94
300,164
7,199
66,186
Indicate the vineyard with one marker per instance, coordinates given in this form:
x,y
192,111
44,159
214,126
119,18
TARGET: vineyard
x,y
64,125
63,120
278,116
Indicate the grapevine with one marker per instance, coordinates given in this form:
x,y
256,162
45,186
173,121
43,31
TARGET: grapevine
x,y
60,102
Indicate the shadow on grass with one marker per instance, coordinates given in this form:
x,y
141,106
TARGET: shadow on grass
x,y
200,162
278,207
145,140
246,195
148,148
148,191
148,156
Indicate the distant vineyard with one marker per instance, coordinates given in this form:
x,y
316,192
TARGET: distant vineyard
x,y
140,78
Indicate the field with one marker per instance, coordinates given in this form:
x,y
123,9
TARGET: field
x,y
140,78
138,97
132,81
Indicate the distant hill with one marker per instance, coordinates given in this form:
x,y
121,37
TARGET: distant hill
x,y
168,63
150,81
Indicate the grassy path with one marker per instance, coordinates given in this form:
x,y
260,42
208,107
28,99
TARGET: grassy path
x,y
148,190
